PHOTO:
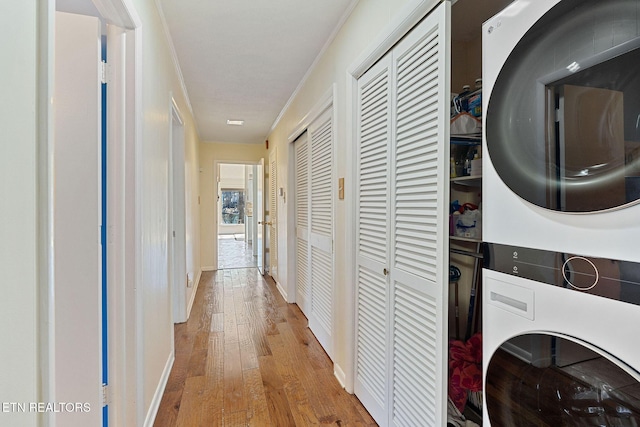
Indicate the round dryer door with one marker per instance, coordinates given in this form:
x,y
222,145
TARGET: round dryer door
x,y
547,380
563,117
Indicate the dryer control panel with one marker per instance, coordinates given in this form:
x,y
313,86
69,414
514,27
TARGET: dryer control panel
x,y
607,278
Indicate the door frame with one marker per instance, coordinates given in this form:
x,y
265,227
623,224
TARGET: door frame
x,y
292,226
177,216
216,219
326,102
258,213
124,130
404,21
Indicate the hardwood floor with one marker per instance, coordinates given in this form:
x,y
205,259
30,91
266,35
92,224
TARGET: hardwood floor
x,y
247,358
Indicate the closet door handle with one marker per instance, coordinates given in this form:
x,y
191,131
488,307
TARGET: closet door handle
x,y
385,271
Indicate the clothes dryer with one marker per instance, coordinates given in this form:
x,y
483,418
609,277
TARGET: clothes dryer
x,y
561,150
561,217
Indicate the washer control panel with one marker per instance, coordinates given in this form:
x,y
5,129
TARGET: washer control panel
x,y
607,278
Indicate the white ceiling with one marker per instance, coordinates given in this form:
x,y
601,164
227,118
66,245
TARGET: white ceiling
x,y
243,59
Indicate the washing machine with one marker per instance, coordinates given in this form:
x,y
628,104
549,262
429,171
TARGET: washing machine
x,y
561,213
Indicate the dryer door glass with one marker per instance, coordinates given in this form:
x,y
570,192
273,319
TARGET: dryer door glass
x,y
563,118
548,380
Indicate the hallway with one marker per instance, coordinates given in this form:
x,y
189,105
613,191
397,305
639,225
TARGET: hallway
x,y
247,358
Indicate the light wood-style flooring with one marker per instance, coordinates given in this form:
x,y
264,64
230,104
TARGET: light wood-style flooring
x,y
247,358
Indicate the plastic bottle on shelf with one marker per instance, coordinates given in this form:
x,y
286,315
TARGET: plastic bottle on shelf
x,y
461,102
471,154
476,166
474,100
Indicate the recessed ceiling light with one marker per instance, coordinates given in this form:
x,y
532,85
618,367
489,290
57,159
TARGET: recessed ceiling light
x,y
235,122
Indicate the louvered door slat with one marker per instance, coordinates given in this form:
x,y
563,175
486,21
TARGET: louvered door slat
x,y
321,173
321,228
419,201
413,184
273,215
302,182
302,273
371,355
321,289
303,265
415,358
372,216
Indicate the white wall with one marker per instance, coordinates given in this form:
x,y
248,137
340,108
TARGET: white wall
x,y
23,229
159,81
366,22
231,175
19,370
192,184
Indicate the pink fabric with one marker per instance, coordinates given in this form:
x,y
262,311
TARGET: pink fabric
x,y
465,369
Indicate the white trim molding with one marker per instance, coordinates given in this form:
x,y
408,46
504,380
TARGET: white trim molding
x,y
193,293
325,102
46,286
339,374
406,19
174,58
313,66
282,291
157,396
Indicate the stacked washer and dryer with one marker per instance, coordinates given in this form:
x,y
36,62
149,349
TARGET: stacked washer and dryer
x,y
561,214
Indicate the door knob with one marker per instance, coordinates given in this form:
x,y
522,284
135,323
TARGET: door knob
x,y
385,271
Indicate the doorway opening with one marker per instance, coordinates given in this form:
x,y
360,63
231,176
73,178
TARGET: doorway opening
x,y
237,225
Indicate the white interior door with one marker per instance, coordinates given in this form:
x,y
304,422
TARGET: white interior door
x,y
273,215
259,215
402,244
321,228
302,193
372,238
177,219
419,209
77,209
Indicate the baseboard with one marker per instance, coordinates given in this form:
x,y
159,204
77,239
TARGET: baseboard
x,y
157,397
339,374
208,268
282,291
196,283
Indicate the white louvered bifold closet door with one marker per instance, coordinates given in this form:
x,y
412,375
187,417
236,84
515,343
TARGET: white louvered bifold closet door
x,y
321,229
402,239
372,238
273,215
303,264
419,201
